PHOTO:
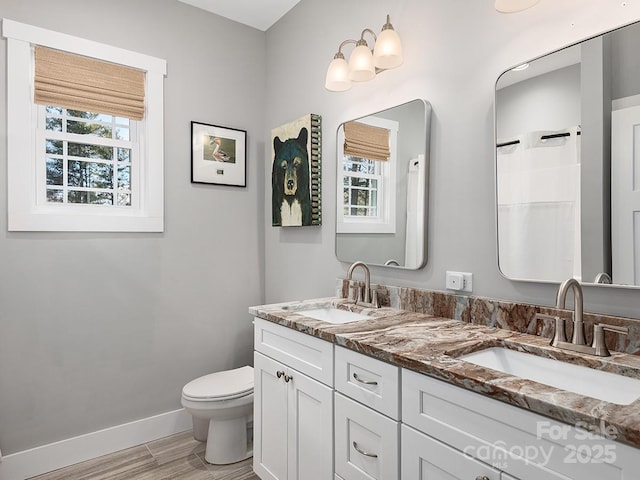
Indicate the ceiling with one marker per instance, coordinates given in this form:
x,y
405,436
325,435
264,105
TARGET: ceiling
x,y
260,14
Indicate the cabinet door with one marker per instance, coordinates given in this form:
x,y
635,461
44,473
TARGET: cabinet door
x,y
269,419
425,458
310,428
367,442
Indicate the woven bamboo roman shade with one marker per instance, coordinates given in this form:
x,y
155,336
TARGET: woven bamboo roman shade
x,y
72,81
366,141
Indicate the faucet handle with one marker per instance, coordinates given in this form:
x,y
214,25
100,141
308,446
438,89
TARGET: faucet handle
x,y
374,299
560,334
598,337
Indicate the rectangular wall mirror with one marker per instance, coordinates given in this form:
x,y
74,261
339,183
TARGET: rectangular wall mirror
x,y
382,186
568,164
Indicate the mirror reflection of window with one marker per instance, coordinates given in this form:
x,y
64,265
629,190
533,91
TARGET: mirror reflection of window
x,y
369,176
381,192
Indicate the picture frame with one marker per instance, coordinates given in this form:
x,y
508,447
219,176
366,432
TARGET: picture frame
x,y
296,179
218,155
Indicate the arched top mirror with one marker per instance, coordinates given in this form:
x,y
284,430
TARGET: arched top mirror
x,y
382,187
567,170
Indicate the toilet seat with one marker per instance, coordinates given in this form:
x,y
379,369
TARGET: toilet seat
x,y
218,386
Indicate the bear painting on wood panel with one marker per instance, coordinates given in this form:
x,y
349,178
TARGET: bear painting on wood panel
x,y
290,181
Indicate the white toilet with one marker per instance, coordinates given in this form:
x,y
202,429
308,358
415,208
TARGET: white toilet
x,y
221,406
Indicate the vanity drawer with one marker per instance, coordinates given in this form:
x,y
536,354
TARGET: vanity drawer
x,y
369,381
491,430
366,442
307,354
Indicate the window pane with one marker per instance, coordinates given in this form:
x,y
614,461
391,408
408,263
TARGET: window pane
x,y
124,178
54,147
122,133
54,110
360,182
124,199
92,198
84,128
90,175
55,172
123,121
54,124
90,151
55,196
124,154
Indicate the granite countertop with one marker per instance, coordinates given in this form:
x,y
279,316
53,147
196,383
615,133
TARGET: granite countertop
x,y
431,345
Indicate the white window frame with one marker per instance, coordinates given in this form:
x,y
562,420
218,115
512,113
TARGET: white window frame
x,y
385,222
24,211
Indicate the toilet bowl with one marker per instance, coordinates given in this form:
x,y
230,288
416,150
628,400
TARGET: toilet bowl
x,y
221,407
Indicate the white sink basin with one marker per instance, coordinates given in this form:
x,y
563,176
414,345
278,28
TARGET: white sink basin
x,y
566,376
333,315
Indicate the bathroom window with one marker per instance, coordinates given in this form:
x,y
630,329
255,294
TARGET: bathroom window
x,y
367,192
89,158
363,187
75,168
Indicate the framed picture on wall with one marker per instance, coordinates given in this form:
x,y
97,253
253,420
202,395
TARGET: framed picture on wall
x,y
218,155
295,172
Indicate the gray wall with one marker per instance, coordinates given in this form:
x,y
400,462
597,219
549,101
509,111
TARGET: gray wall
x,y
454,52
100,329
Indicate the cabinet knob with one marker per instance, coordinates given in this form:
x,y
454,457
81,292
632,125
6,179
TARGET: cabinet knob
x,y
483,477
364,382
279,373
287,378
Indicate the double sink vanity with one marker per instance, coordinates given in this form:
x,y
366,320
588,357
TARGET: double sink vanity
x,y
348,392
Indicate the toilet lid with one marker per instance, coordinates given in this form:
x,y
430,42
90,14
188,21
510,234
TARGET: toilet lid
x,y
228,384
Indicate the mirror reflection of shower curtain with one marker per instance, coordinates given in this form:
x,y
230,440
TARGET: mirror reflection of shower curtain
x,y
416,185
539,207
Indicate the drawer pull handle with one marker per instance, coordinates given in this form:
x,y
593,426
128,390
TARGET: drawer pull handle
x,y
484,477
362,452
364,382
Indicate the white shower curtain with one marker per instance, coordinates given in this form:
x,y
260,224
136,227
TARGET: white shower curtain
x,y
539,206
416,184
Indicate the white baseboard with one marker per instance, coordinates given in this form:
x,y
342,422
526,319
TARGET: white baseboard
x,y
39,460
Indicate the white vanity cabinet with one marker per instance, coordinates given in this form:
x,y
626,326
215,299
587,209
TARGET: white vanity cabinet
x,y
367,428
293,405
512,443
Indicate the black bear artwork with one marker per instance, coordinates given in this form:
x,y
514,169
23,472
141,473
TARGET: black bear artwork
x,y
290,181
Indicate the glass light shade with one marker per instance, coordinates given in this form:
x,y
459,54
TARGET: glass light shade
x,y
388,50
361,66
511,6
338,76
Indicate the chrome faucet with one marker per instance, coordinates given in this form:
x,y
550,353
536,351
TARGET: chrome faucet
x,y
578,324
363,297
578,342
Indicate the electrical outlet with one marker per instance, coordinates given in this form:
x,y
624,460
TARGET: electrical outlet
x,y
459,281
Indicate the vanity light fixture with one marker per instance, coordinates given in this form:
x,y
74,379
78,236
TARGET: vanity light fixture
x,y
364,62
512,6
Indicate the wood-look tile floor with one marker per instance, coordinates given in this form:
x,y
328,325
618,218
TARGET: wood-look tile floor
x,y
178,457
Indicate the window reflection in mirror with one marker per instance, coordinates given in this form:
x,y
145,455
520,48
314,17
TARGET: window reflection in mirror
x,y
565,164
382,173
